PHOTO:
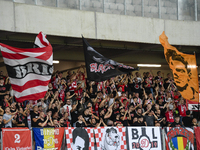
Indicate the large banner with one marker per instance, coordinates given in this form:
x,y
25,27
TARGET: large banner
x,y
16,139
48,138
29,70
179,138
144,138
184,68
197,134
79,138
100,68
110,138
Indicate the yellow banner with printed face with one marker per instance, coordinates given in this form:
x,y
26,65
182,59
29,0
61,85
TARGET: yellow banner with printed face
x,y
184,70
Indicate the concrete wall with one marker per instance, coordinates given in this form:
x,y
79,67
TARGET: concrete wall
x,y
25,18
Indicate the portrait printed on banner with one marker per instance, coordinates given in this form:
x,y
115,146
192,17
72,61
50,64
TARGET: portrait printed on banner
x,y
111,139
80,139
184,74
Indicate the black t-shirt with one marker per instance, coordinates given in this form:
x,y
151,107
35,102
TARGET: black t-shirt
x,y
8,87
187,121
132,117
2,90
147,88
137,87
149,120
138,124
22,119
34,115
125,121
159,79
87,118
174,124
165,83
93,126
54,110
40,121
1,126
74,116
138,115
78,124
113,115
63,125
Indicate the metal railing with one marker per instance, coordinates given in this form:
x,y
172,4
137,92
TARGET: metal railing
x,y
188,10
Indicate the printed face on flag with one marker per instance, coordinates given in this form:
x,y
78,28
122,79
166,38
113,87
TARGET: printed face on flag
x,y
79,138
180,72
110,138
184,70
79,143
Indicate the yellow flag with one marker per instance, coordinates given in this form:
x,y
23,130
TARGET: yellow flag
x,y
184,70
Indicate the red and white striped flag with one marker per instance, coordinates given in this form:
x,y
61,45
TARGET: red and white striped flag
x,y
29,70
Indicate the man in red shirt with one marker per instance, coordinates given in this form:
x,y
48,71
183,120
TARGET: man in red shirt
x,y
169,114
72,84
182,109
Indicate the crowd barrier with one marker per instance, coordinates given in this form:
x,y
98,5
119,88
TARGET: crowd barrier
x,y
101,138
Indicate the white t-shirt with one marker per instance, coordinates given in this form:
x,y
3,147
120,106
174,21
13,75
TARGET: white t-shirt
x,y
119,93
68,108
111,101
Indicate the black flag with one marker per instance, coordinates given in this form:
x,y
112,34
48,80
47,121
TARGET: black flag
x,y
100,68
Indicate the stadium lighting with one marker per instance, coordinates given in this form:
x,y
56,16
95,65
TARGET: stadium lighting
x,y
192,66
55,61
148,65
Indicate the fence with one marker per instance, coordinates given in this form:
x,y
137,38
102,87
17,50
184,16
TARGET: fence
x,y
165,9
118,138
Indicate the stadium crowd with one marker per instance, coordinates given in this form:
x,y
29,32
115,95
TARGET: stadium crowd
x,y
125,100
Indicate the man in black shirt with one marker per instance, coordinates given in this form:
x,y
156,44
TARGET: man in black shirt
x,y
34,116
2,88
81,122
140,122
187,120
176,122
87,116
1,123
41,122
167,81
159,79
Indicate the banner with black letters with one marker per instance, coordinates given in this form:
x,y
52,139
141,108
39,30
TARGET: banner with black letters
x,y
144,138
